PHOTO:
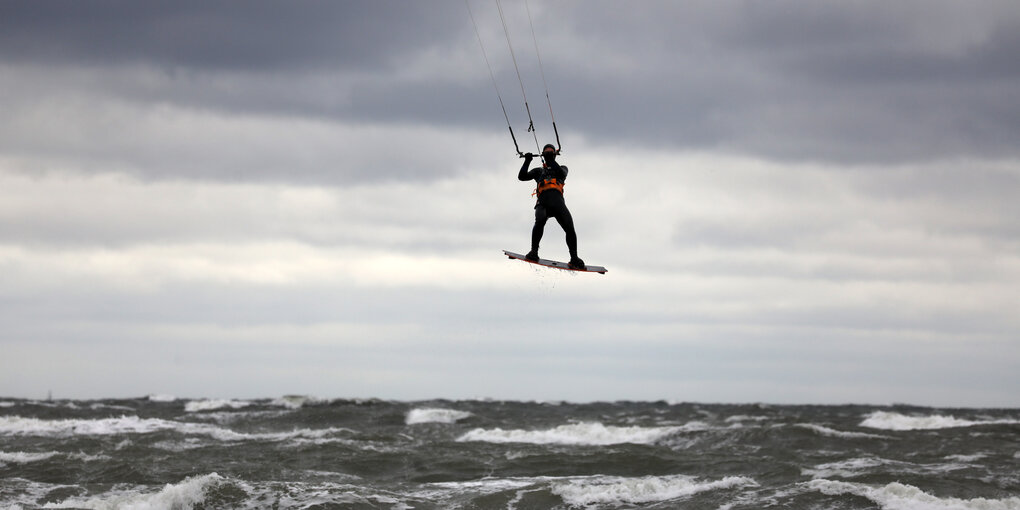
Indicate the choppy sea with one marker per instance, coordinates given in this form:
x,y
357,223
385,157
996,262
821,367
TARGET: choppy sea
x,y
300,452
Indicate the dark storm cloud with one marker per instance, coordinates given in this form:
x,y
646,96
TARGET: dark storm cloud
x,y
216,35
848,82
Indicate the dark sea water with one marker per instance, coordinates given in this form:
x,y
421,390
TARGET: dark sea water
x,y
297,452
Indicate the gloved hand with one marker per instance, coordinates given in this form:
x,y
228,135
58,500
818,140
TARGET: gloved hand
x,y
529,156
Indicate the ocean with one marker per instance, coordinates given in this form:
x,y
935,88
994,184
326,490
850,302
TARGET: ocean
x,y
299,452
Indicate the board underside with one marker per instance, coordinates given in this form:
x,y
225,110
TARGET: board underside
x,y
556,264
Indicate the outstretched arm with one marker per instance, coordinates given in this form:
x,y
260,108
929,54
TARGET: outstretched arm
x,y
523,174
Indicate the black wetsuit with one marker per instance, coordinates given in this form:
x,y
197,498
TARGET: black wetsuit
x,y
550,203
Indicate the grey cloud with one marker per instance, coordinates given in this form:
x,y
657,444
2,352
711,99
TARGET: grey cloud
x,y
334,180
258,35
850,82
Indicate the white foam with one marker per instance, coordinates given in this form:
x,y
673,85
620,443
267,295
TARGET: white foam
x,y
208,405
16,425
826,431
649,489
859,466
332,475
886,420
186,494
295,401
443,490
162,398
435,415
698,426
967,458
190,443
744,417
101,405
19,493
84,457
7,404
313,495
897,496
844,468
589,433
24,458
585,490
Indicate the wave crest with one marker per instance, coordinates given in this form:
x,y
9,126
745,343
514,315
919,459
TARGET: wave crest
x,y
901,496
648,489
588,433
435,415
886,420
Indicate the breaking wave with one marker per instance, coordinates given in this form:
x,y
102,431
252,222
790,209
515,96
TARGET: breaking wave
x,y
826,431
18,426
24,458
209,405
435,415
898,496
886,420
647,489
186,494
589,433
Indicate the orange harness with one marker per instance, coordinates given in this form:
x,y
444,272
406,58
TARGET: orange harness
x,y
548,184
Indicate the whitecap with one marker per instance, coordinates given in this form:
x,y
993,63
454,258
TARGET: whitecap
x,y
84,457
228,417
648,489
435,415
588,433
295,401
21,493
744,417
898,496
332,475
208,405
190,443
700,426
845,468
440,490
186,494
860,466
101,405
967,458
24,457
585,490
16,425
162,398
826,431
316,495
886,420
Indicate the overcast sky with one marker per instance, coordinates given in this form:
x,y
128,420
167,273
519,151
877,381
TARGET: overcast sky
x,y
797,201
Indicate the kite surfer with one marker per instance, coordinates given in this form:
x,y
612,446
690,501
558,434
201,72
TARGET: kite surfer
x,y
549,179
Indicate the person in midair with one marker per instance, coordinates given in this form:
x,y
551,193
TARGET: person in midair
x,y
549,179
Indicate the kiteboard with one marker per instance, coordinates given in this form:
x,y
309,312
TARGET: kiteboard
x,y
556,264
